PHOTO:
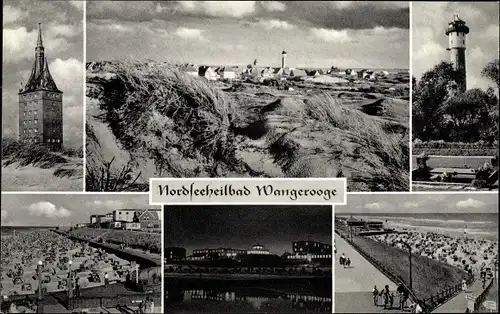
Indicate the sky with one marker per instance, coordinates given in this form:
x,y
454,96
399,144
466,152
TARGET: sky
x,y
62,29
64,210
314,34
239,227
420,203
429,22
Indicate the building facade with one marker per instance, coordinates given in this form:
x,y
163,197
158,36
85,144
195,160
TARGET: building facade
x,y
456,32
311,247
41,104
124,215
149,218
212,254
173,254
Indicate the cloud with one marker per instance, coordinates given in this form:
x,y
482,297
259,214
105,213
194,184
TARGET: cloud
x,y
68,75
77,4
109,203
470,203
48,210
189,33
19,43
270,24
331,35
273,6
411,204
12,14
217,8
373,206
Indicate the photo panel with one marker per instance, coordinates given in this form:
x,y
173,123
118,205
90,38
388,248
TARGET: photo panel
x,y
81,253
247,89
455,96
42,95
417,253
248,259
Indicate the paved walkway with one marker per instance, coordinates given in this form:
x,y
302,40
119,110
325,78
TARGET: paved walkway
x,y
353,285
459,303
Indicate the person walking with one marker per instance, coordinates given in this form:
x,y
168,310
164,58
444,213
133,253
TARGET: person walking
x,y
342,260
77,286
375,295
106,280
464,285
385,294
348,262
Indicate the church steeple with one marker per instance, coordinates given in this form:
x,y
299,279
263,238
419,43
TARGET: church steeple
x,y
39,42
40,78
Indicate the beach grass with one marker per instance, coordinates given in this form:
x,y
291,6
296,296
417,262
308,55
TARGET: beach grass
x,y
37,155
428,276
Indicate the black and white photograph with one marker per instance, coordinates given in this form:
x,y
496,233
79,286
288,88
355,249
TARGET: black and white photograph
x,y
42,96
260,89
248,259
80,254
417,253
455,96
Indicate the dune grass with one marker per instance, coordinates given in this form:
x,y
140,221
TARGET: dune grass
x,y
360,144
169,115
429,276
103,176
189,128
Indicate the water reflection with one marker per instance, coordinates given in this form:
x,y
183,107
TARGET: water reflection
x,y
259,299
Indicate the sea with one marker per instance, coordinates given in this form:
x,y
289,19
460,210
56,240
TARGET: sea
x,y
479,225
7,230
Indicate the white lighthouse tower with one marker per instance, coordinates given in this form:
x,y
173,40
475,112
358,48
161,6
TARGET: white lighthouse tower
x,y
456,32
283,59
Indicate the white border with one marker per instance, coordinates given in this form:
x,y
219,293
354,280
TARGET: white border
x,y
84,148
333,258
410,124
326,203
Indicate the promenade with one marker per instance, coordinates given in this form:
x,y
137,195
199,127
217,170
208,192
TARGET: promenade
x,y
353,285
458,304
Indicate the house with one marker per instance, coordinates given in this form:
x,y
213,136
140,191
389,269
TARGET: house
x,y
207,72
226,73
373,76
124,215
315,73
191,70
149,218
297,73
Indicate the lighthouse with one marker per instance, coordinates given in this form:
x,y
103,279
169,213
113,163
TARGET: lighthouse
x,y
456,32
283,59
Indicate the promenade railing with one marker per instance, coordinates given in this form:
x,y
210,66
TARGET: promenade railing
x,y
427,304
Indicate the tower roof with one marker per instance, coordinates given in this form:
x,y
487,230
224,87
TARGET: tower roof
x,y
283,52
457,25
40,78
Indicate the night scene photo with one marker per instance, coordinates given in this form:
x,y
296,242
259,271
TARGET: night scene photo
x,y
248,259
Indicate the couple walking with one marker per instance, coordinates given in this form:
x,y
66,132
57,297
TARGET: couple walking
x,y
346,262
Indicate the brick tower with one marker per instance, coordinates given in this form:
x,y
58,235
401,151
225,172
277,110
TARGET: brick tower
x,y
40,104
456,32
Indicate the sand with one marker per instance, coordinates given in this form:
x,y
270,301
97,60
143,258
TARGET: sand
x,y
30,178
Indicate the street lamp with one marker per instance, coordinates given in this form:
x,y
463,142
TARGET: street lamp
x,y
39,269
70,288
409,250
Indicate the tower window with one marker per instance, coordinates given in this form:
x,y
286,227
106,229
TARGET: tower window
x,y
36,140
35,112
30,130
29,112
35,121
24,131
36,130
59,141
24,113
